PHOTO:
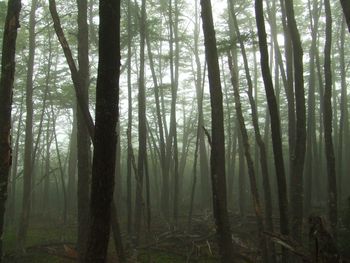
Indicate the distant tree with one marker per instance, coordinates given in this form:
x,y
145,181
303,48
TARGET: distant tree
x,y
217,158
249,159
28,151
6,89
129,144
258,137
83,138
343,150
327,121
203,155
142,132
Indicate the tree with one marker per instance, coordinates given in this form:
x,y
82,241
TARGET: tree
x,y
274,118
346,9
142,132
104,155
6,89
249,159
258,137
327,121
298,158
83,138
129,145
28,154
203,156
217,158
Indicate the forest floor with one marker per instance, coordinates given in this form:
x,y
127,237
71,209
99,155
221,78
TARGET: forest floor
x,y
49,241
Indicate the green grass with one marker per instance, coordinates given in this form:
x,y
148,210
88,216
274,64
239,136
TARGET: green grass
x,y
37,235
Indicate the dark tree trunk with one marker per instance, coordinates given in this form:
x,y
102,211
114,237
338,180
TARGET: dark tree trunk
x,y
327,121
104,156
217,161
6,89
346,9
275,120
298,158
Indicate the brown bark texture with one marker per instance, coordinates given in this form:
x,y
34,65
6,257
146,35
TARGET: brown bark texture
x,y
104,156
217,159
6,89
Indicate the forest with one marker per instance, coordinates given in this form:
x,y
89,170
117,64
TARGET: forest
x,y
174,131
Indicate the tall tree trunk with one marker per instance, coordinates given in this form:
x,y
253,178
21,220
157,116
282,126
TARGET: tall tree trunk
x,y
129,130
217,158
249,160
289,88
6,89
142,129
258,137
203,156
327,121
27,173
298,159
344,115
173,21
107,99
311,144
346,9
275,120
83,138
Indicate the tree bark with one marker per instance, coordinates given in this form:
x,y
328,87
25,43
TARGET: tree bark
x,y
217,161
6,89
327,122
346,9
275,120
107,99
298,158
28,151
